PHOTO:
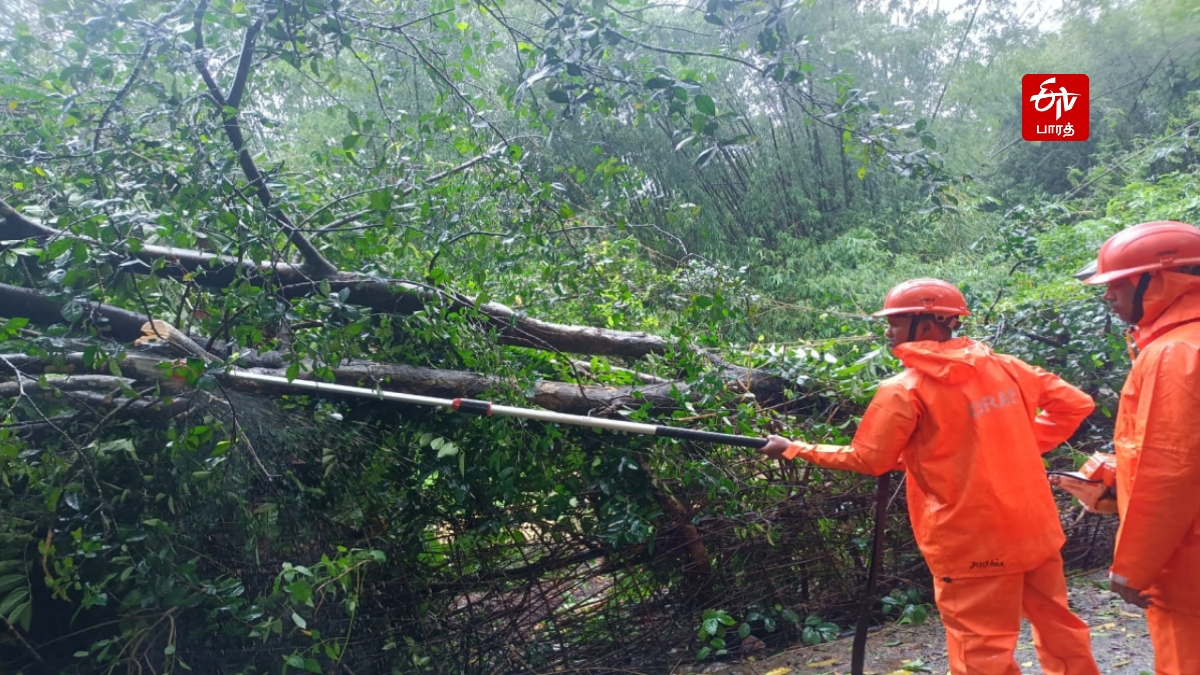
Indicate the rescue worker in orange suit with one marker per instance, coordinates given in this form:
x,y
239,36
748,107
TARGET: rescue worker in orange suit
x,y
1151,273
963,423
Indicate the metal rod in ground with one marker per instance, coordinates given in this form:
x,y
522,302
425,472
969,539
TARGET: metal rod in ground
x,y
858,653
488,409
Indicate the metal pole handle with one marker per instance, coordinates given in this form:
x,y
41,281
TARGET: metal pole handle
x,y
488,409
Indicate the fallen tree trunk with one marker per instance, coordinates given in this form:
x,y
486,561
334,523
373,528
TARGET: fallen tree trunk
x,y
125,326
390,296
86,394
417,380
115,323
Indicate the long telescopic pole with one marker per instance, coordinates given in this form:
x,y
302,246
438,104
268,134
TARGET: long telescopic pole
x,y
488,409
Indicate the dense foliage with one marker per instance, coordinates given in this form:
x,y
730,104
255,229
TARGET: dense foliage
x,y
675,212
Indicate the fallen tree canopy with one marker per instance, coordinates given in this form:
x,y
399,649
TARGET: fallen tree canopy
x,y
217,272
123,325
397,520
97,382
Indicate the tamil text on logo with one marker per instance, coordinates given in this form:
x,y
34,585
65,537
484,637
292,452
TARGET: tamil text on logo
x,y
1054,107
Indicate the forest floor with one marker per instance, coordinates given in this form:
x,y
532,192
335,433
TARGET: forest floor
x,y
1120,643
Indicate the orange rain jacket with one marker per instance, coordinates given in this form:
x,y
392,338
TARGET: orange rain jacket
x,y
1157,443
963,422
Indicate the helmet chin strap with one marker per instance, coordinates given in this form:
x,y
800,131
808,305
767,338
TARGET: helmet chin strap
x,y
950,322
1138,293
912,327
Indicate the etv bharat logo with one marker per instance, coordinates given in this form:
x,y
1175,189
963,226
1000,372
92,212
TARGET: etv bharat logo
x,y
1054,107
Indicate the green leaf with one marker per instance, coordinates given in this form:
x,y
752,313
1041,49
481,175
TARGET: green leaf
x,y
685,142
10,580
704,104
22,615
381,200
301,592
299,621
11,600
72,311
15,324
706,156
659,82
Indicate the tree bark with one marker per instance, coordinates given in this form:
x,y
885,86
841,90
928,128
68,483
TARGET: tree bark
x,y
114,323
382,295
315,264
564,397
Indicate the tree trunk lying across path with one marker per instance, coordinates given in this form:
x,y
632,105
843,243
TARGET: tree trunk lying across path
x,y
124,326
417,380
392,296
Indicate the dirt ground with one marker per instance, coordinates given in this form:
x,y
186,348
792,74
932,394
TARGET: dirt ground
x,y
1119,640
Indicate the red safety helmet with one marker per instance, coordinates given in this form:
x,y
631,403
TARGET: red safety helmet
x,y
924,296
1147,247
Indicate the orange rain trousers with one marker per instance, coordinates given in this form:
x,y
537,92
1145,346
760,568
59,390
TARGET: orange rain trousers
x,y
1176,639
982,616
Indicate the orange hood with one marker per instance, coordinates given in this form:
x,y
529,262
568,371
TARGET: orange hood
x,y
952,361
1171,299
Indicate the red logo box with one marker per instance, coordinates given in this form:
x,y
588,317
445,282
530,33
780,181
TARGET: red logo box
x,y
1054,107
